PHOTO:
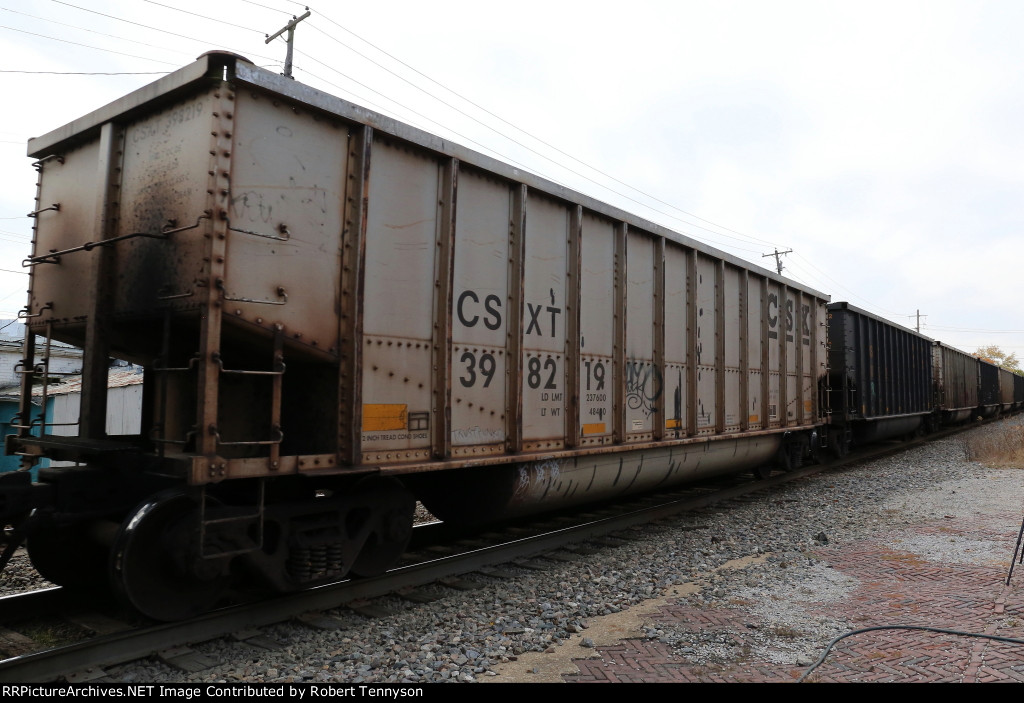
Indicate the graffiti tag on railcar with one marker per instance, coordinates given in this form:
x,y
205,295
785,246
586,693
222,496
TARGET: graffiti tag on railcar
x,y
644,386
477,435
535,474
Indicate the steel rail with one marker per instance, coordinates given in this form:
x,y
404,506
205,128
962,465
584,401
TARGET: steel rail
x,y
118,648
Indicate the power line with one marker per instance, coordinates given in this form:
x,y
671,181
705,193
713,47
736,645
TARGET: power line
x,y
166,31
86,46
972,330
86,29
196,14
121,19
505,157
490,150
741,237
88,73
532,136
866,303
268,7
713,233
418,114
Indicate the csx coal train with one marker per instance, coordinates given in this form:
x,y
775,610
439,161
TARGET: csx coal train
x,y
339,314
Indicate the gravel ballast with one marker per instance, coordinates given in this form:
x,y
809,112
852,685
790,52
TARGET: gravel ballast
x,y
761,552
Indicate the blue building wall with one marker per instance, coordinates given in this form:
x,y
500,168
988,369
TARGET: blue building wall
x,y
8,409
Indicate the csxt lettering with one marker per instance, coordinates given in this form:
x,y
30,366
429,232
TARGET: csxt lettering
x,y
468,309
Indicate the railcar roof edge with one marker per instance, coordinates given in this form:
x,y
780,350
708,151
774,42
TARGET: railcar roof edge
x,y
215,64
843,305
160,90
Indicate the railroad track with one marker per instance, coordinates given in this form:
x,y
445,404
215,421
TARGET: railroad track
x,y
438,554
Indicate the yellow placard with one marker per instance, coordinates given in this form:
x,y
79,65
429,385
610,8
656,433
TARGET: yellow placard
x,y
385,416
753,418
593,428
673,424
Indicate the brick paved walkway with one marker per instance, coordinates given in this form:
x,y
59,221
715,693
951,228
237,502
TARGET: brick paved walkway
x,y
893,588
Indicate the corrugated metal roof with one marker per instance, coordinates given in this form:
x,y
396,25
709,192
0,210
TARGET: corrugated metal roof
x,y
73,384
12,332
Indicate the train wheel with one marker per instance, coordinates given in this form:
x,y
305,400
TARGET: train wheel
x,y
796,455
154,564
840,446
386,524
784,458
814,453
68,556
763,471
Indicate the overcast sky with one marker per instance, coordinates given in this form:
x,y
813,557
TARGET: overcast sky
x,y
881,141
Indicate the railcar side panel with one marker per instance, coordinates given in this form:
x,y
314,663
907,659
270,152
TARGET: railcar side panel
x,y
776,323
732,351
643,380
678,304
480,321
544,299
880,373
163,184
955,381
287,185
598,315
399,303
1006,389
756,354
791,351
707,344
821,349
819,342
67,183
989,400
806,343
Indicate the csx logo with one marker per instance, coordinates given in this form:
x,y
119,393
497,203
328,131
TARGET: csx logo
x,y
541,320
467,307
773,319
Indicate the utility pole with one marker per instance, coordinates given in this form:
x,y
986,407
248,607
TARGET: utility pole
x,y
290,28
778,261
919,321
